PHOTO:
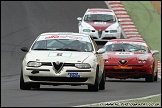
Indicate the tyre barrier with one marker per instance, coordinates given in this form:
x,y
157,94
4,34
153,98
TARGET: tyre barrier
x,y
128,28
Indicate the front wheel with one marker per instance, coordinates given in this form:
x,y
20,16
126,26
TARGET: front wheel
x,y
102,83
95,87
156,77
150,78
24,86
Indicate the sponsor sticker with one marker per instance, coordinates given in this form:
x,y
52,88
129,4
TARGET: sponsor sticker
x,y
99,23
53,54
67,37
48,37
122,67
123,56
124,53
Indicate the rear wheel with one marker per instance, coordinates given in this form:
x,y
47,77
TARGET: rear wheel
x,y
24,86
102,83
95,87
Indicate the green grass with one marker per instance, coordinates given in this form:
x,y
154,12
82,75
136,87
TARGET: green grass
x,y
147,21
152,99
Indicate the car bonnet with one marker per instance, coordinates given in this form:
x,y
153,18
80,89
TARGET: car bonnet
x,y
61,56
100,25
127,55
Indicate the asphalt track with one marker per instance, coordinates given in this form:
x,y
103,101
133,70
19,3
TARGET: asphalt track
x,y
21,23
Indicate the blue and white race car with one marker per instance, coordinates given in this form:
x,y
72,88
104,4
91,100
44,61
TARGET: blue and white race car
x,y
63,58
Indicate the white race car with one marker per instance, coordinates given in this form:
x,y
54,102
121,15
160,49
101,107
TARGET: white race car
x,y
63,58
101,24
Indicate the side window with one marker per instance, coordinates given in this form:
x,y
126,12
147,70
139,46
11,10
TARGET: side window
x,y
108,47
94,43
40,44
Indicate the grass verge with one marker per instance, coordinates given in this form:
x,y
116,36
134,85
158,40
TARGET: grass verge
x,y
148,22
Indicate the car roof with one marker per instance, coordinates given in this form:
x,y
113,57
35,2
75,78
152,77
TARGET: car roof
x,y
116,41
64,33
99,10
125,40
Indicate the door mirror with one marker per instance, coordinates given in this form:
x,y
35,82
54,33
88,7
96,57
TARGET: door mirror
x,y
119,20
100,51
79,18
24,49
155,52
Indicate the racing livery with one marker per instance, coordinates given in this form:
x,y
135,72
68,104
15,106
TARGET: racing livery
x,y
100,23
130,58
63,58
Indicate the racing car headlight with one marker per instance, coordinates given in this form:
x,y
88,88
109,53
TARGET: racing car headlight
x,y
83,65
34,64
141,61
86,30
113,31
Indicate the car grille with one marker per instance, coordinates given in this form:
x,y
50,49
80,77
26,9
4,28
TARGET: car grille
x,y
94,38
57,79
99,33
46,64
127,70
123,70
122,62
58,66
50,64
109,38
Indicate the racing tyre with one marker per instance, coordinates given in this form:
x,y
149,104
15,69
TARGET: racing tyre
x,y
24,86
94,87
102,83
150,78
156,77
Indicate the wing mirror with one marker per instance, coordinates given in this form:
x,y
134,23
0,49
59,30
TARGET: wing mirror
x,y
79,18
119,20
155,52
101,51
24,49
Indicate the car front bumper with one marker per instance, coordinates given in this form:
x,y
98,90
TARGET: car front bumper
x,y
67,76
103,35
127,72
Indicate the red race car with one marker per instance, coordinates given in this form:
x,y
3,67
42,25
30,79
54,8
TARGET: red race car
x,y
130,58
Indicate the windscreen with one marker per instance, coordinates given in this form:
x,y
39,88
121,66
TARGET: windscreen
x,y
100,17
130,47
64,44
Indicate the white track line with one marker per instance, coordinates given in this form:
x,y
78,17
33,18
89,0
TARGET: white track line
x,y
104,103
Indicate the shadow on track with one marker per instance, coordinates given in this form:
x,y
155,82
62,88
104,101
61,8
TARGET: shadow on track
x,y
142,80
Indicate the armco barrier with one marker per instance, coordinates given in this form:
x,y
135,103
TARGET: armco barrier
x,y
128,28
